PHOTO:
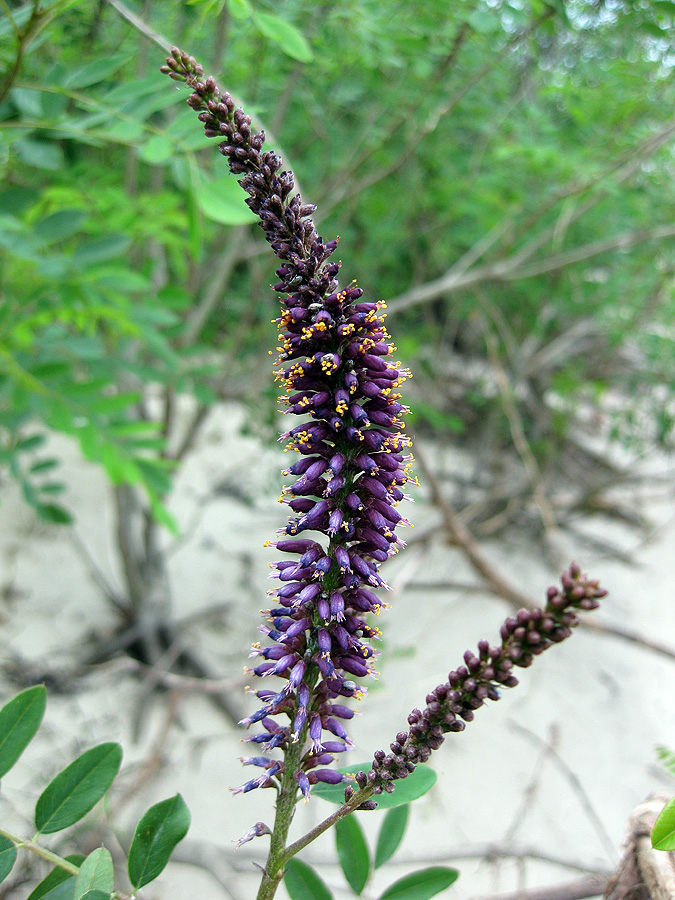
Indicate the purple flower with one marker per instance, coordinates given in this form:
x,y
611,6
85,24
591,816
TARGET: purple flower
x,y
335,364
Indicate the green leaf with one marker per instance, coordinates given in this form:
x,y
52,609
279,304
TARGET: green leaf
x,y
421,885
94,895
667,758
407,789
19,720
353,853
78,788
240,10
94,72
96,874
303,883
60,225
222,200
159,830
7,856
45,465
158,149
100,250
52,512
59,884
290,40
110,404
391,834
40,154
663,833
30,443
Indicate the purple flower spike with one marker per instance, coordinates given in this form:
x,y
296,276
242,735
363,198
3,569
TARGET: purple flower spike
x,y
335,364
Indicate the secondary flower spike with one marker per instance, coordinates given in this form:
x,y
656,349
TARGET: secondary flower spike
x,y
336,368
451,705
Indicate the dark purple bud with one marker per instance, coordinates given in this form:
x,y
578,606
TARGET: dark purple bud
x,y
328,776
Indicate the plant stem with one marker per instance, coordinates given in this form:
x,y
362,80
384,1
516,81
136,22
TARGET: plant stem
x,y
345,810
41,851
274,868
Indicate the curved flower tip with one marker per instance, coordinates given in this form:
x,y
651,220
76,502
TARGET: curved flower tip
x,y
257,830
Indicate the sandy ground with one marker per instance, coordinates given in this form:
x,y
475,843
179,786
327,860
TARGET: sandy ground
x,y
601,704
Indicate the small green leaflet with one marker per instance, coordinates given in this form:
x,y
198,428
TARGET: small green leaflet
x,y
159,830
291,41
19,720
407,789
391,834
94,72
222,200
663,833
78,788
421,885
303,883
96,874
353,854
7,856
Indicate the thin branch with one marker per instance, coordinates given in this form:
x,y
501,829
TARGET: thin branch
x,y
182,683
578,254
140,25
518,437
199,315
508,269
576,785
41,851
353,803
23,37
97,575
458,535
590,886
490,853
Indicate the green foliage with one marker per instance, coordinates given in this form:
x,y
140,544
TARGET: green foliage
x,y
667,758
421,885
303,883
19,721
96,874
7,856
157,833
412,788
352,852
78,788
69,797
391,833
663,833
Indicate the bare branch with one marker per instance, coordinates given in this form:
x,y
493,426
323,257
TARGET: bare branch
x,y
590,886
509,270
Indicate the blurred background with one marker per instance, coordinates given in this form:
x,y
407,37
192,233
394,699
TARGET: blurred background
x,y
501,173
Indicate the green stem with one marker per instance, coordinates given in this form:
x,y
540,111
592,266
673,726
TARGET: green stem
x,y
41,851
274,867
353,803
